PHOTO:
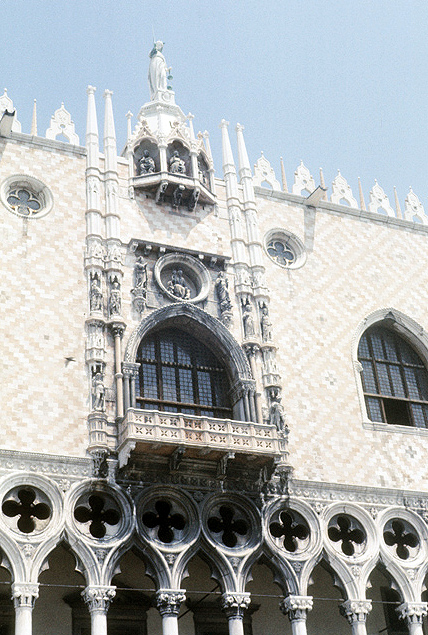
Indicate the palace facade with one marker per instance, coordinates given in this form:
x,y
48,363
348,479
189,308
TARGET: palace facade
x,y
215,389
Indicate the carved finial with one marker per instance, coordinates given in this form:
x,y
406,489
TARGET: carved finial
x,y
322,183
190,118
129,116
283,177
397,203
360,190
34,120
90,90
224,123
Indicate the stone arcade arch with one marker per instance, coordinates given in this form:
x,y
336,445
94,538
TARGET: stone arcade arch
x,y
208,329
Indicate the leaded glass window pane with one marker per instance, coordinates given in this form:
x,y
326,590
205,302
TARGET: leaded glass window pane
x,y
392,369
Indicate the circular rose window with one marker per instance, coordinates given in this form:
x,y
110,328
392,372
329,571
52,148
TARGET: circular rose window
x,y
26,196
285,249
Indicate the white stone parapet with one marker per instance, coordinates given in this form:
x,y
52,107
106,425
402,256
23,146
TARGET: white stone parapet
x,y
150,427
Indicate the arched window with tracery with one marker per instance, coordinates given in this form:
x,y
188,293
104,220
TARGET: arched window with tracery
x,y
394,377
179,373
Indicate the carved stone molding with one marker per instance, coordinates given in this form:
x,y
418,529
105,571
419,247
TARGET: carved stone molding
x,y
98,598
234,604
355,610
413,612
168,602
24,594
296,606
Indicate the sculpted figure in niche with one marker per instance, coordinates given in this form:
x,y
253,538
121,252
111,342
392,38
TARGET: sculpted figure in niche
x,y
95,295
158,71
140,274
115,301
247,319
98,392
177,285
276,412
222,288
176,164
147,164
266,324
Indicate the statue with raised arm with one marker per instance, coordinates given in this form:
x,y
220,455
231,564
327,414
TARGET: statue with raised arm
x,y
158,71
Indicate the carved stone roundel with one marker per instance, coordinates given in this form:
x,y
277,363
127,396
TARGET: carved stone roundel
x,y
98,515
26,509
165,519
182,278
289,530
26,196
401,538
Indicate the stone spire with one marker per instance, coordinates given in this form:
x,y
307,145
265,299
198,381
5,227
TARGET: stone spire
x,y
397,204
360,190
92,144
228,162
34,120
245,175
283,177
110,150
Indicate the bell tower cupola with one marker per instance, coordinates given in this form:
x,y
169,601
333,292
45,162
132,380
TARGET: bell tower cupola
x,y
166,158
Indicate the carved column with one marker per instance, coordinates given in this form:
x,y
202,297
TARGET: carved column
x,y
130,376
24,595
356,612
252,351
168,603
234,605
413,613
297,607
117,329
97,599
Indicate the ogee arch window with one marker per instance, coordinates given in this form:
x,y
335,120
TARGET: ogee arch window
x,y
395,379
178,373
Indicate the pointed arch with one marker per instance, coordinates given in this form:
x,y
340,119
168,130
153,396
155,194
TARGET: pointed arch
x,y
194,320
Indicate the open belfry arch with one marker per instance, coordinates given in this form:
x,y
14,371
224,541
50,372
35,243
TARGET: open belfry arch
x,y
216,410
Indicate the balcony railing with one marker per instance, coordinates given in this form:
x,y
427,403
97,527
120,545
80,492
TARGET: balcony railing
x,y
145,430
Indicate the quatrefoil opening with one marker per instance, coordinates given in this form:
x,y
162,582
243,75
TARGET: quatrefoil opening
x,y
25,504
99,515
167,525
234,531
348,532
402,537
291,529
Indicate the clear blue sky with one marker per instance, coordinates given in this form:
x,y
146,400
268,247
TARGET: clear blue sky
x,y
339,84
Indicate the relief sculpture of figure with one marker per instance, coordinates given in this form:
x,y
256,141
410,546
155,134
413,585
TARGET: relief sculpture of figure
x,y
158,71
147,164
266,324
95,295
176,164
222,288
177,285
115,300
98,392
247,319
140,274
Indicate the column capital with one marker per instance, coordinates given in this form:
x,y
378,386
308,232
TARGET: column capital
x,y
296,606
355,610
25,594
117,328
413,612
234,604
168,601
130,369
98,598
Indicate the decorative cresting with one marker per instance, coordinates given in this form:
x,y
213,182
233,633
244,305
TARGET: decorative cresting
x,y
413,209
61,123
347,534
6,105
29,513
379,202
264,173
402,538
341,192
182,277
303,180
291,531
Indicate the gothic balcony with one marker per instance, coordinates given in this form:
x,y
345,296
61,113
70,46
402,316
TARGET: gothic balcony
x,y
178,189
161,433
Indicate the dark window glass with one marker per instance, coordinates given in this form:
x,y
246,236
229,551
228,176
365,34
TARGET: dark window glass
x,y
395,380
180,374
